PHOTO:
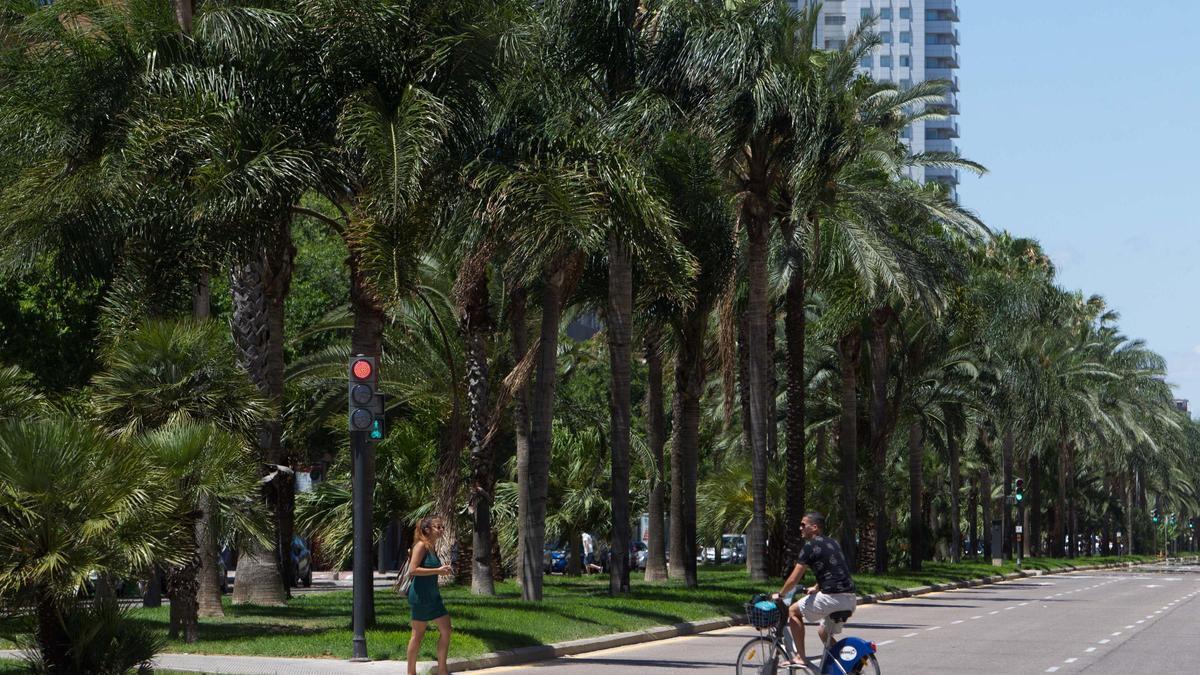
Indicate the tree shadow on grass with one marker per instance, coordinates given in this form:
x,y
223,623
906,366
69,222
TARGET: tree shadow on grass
x,y
228,632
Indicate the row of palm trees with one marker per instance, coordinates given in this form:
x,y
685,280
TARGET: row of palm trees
x,y
729,199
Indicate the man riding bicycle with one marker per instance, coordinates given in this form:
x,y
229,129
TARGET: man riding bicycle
x,y
834,590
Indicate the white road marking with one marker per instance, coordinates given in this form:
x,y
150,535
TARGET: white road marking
x,y
1116,633
1153,585
956,622
933,628
1090,650
1128,627
1024,603
1052,669
885,642
909,635
977,617
995,612
1104,641
1008,608
1149,616
1071,660
1140,621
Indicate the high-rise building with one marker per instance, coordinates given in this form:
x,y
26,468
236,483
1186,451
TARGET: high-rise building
x,y
920,42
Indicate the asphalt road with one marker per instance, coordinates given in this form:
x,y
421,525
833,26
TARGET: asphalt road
x,y
1100,622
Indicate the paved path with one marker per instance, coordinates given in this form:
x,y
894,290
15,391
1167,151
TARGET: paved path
x,y
1099,622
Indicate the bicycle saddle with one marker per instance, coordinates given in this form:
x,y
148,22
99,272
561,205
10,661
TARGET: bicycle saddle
x,y
840,617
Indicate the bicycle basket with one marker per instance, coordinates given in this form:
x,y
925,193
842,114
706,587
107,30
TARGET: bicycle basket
x,y
762,613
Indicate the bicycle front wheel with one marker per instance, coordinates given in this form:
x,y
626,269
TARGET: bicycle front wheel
x,y
869,665
758,657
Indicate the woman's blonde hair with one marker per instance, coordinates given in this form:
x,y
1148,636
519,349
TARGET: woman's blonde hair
x,y
424,530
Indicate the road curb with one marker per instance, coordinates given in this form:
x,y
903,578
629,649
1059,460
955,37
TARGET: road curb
x,y
520,655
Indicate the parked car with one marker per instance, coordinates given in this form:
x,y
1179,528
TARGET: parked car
x,y
639,555
301,561
554,560
733,550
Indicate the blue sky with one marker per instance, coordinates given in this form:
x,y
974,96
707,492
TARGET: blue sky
x,y
1088,116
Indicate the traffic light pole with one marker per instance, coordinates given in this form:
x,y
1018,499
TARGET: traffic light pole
x,y
1020,531
363,581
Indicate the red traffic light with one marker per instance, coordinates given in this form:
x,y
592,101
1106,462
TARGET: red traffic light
x,y
362,369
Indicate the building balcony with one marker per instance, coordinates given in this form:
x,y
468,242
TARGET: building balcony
x,y
947,9
949,105
939,27
943,74
940,130
945,54
940,145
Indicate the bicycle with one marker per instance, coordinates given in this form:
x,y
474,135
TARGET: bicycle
x,y
772,651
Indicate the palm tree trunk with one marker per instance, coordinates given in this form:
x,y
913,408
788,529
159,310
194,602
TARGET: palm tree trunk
x,y
1129,542
916,465
259,285
521,405
183,14
985,508
955,496
54,645
449,478
533,475
476,325
685,444
1006,526
656,435
1035,504
879,435
797,388
972,519
1057,536
848,351
210,581
1072,520
182,588
758,315
620,351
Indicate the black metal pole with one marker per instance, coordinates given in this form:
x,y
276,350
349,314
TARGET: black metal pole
x,y
363,581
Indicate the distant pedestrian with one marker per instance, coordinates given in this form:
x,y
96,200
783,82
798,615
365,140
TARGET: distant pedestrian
x,y
424,598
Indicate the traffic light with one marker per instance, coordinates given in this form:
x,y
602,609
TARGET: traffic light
x,y
1154,515
1172,521
1020,494
363,381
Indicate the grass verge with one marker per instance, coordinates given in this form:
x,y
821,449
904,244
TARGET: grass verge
x,y
318,624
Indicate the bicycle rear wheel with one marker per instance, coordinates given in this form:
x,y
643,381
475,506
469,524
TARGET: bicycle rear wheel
x,y
869,665
758,657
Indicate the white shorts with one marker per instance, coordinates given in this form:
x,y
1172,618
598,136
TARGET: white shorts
x,y
817,606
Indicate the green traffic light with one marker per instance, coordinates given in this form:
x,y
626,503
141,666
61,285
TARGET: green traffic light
x,y
1020,496
376,430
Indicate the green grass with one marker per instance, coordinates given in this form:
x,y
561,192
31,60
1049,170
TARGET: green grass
x,y
318,624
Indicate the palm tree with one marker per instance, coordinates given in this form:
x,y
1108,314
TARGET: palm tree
x,y
209,470
170,372
18,398
684,167
76,501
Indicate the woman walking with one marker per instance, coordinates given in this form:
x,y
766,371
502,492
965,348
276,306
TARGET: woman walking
x,y
424,599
